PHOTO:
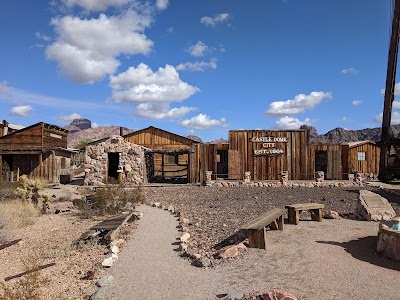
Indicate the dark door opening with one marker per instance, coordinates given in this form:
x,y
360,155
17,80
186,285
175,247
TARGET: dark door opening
x,y
113,162
321,161
222,163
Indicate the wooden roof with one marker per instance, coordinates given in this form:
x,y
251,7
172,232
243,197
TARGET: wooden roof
x,y
151,128
46,125
358,143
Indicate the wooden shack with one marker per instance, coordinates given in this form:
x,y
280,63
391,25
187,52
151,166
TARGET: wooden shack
x,y
362,156
39,150
266,153
327,158
169,157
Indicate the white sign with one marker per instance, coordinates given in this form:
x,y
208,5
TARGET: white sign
x,y
269,142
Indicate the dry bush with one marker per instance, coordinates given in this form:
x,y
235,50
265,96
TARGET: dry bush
x,y
28,286
112,200
7,189
14,215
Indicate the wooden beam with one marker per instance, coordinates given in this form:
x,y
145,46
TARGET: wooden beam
x,y
29,271
9,244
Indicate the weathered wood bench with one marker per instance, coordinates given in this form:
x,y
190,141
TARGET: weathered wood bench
x,y
256,228
294,211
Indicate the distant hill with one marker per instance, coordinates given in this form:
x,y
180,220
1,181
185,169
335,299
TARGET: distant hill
x,y
77,134
341,135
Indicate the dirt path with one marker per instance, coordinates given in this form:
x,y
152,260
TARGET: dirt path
x,y
314,261
149,268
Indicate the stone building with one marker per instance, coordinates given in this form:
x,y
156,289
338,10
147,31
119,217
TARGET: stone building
x,y
106,158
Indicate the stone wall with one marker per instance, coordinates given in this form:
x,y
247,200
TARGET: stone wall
x,y
131,159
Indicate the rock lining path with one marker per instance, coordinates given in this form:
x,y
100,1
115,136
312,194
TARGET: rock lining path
x,y
149,268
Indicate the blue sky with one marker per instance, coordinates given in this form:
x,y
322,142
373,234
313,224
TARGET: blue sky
x,y
195,67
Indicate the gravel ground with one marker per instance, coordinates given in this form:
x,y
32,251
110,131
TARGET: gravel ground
x,y
329,260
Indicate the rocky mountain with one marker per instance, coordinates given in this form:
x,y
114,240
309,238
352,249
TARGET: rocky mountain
x,y
195,138
341,135
313,130
81,123
77,134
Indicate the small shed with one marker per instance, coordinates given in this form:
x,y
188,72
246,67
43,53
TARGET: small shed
x,y
169,158
39,150
361,156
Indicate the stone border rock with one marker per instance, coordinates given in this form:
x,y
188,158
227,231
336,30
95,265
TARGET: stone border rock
x,y
293,184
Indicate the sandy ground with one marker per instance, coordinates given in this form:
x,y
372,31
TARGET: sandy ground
x,y
334,259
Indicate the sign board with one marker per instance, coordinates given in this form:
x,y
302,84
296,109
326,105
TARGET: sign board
x,y
269,145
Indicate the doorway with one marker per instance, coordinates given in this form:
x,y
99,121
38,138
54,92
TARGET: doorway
x,y
222,163
321,161
113,163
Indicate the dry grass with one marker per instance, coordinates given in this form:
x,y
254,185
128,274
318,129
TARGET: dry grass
x,y
13,215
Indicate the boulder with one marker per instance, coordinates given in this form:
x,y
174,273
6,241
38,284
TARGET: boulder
x,y
331,214
185,237
231,251
373,207
108,262
106,280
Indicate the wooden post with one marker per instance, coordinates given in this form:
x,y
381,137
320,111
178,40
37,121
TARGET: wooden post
x,y
17,174
41,165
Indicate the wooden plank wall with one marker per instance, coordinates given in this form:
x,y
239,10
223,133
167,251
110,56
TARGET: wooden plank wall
x,y
36,136
50,137
295,157
158,139
334,161
371,163
23,139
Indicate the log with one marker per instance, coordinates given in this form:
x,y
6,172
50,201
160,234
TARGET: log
x,y
9,244
29,271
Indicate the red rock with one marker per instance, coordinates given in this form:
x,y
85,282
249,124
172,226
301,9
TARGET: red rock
x,y
331,215
231,251
278,295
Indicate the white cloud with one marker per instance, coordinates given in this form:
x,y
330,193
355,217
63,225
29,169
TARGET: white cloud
x,y
198,66
291,123
170,29
344,119
142,85
356,102
21,111
162,4
395,118
160,111
299,104
202,121
42,36
213,21
351,70
4,88
69,118
396,105
95,125
95,5
200,49
87,49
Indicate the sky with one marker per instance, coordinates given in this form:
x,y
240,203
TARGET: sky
x,y
196,67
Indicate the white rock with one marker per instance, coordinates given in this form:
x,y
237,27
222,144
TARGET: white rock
x,y
108,262
114,256
114,249
185,237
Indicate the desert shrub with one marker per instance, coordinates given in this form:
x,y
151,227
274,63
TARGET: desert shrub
x,y
112,200
28,286
26,186
7,189
14,215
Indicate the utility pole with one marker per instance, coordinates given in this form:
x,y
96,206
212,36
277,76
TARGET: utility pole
x,y
389,89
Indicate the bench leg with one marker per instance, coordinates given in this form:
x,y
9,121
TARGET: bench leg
x,y
316,214
293,216
257,238
277,224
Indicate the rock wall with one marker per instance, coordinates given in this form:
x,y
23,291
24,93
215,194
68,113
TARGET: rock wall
x,y
131,159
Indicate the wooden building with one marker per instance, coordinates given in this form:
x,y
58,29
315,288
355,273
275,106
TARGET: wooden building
x,y
6,128
170,157
360,156
39,150
327,158
266,153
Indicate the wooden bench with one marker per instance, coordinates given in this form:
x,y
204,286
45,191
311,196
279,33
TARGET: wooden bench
x,y
294,211
256,228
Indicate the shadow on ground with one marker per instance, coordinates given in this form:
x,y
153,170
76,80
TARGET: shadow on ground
x,y
365,249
